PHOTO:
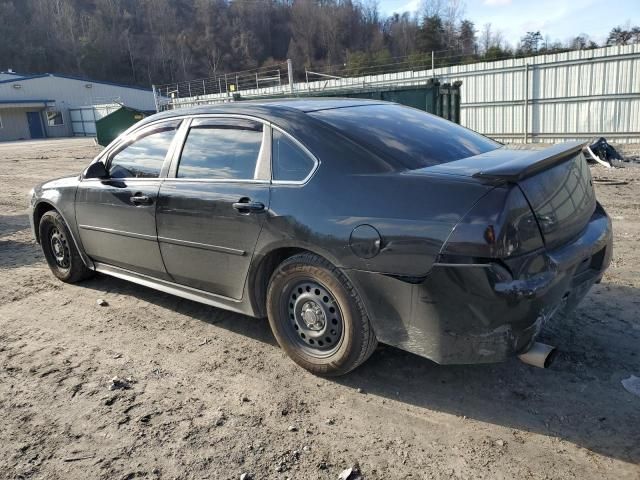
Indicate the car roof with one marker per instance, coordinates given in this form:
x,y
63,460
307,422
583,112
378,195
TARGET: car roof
x,y
285,112
315,104
274,107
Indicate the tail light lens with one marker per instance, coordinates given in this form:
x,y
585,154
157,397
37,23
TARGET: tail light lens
x,y
500,225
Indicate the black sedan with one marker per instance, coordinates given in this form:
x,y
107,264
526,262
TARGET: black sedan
x,y
345,222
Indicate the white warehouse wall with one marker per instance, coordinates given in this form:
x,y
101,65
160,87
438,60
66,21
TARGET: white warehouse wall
x,y
63,93
73,92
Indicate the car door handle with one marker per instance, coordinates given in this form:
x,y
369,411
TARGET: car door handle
x,y
247,206
139,199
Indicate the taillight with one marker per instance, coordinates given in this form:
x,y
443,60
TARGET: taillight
x,y
500,225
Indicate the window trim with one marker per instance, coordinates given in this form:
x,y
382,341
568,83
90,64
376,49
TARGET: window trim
x,y
170,166
107,155
144,132
47,119
307,152
263,162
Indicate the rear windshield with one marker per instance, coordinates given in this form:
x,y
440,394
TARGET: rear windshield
x,y
407,137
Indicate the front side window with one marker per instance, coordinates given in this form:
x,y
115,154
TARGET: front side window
x,y
290,163
221,150
0,121
144,157
54,118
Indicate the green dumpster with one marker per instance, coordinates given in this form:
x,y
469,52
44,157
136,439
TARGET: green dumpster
x,y
442,99
110,126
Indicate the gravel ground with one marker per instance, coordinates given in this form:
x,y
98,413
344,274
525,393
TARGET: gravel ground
x,y
203,393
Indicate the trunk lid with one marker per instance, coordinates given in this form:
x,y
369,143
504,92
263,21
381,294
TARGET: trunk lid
x,y
556,182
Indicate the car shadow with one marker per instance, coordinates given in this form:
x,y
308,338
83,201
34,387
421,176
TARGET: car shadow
x,y
579,399
258,329
10,224
17,247
14,254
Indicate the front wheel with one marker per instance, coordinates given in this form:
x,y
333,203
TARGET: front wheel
x,y
317,316
59,250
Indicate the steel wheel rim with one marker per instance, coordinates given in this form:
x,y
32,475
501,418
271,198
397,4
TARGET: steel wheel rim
x,y
59,248
313,318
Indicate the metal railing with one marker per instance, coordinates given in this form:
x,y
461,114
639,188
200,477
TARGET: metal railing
x,y
278,79
221,87
505,97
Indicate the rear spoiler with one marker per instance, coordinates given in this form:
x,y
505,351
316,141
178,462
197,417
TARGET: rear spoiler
x,y
527,165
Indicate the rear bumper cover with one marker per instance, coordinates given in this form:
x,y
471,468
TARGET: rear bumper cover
x,y
482,313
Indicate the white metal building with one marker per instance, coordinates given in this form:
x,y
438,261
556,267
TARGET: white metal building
x,y
41,106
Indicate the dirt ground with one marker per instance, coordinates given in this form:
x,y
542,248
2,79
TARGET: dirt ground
x,y
212,396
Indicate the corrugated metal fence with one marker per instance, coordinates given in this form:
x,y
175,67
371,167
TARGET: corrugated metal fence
x,y
545,98
549,98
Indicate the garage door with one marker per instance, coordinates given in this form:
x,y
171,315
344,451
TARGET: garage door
x,y
83,119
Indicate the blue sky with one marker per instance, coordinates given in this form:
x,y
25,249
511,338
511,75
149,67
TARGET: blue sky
x,y
559,19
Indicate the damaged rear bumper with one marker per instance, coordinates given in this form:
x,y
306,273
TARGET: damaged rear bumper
x,y
481,312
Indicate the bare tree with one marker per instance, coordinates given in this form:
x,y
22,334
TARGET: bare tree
x,y
165,40
620,36
431,8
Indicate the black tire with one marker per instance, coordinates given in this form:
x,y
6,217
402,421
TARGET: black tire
x,y
317,316
59,249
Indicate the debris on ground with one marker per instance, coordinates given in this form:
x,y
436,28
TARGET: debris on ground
x,y
146,418
352,473
293,428
609,182
102,303
245,476
77,459
220,419
603,153
118,383
632,385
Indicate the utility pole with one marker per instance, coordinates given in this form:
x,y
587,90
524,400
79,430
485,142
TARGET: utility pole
x,y
290,71
155,97
433,64
526,103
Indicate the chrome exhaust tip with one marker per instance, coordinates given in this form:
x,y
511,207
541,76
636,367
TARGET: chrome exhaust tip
x,y
539,355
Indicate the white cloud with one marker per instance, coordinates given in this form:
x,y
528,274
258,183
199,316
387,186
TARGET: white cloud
x,y
410,6
497,3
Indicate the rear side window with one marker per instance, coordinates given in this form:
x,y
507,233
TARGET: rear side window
x,y
143,158
290,163
406,137
221,151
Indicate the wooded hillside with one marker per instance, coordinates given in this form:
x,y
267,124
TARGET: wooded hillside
x,y
159,41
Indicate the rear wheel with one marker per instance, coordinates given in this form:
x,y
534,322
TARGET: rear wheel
x,y
317,317
59,250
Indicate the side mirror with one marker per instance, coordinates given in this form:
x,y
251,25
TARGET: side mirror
x,y
96,170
